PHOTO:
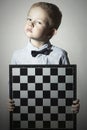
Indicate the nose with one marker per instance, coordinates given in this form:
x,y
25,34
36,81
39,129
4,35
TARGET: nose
x,y
30,23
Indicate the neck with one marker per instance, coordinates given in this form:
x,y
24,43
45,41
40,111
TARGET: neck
x,y
37,43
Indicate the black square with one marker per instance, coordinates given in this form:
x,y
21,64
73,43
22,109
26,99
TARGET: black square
x,y
69,117
24,117
16,94
31,94
69,71
17,109
23,71
46,124
38,71
39,117
69,101
54,71
31,109
69,86
61,109
31,124
24,101
54,117
61,124
39,102
23,86
54,102
46,109
54,86
61,94
46,79
61,79
16,124
31,79
46,94
16,79
39,86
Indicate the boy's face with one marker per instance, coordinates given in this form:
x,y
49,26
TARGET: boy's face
x,y
37,25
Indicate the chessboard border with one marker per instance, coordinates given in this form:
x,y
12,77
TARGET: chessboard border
x,y
47,66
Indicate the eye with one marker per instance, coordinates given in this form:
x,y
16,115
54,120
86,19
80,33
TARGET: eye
x,y
38,22
29,19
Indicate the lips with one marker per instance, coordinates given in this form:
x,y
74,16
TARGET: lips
x,y
29,30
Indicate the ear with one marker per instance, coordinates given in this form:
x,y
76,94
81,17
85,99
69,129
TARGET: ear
x,y
52,32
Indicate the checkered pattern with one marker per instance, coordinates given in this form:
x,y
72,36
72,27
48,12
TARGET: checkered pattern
x,y
43,95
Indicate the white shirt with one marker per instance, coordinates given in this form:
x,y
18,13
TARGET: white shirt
x,y
23,56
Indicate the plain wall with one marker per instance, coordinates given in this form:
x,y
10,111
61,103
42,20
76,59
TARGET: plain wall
x,y
71,36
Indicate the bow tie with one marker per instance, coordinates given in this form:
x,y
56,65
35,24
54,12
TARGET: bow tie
x,y
45,51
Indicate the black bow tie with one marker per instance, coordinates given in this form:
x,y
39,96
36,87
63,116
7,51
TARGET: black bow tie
x,y
45,51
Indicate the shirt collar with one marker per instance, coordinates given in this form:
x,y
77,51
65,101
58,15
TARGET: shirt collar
x,y
31,47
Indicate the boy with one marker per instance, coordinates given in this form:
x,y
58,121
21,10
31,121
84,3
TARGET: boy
x,y
43,20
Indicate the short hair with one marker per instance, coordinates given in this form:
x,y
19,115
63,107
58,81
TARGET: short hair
x,y
53,12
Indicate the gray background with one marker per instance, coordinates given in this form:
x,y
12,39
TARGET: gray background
x,y
71,36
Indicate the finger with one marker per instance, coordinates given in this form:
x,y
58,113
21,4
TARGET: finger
x,y
75,105
11,108
76,101
11,101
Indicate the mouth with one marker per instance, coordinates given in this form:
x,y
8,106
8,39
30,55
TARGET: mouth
x,y
29,30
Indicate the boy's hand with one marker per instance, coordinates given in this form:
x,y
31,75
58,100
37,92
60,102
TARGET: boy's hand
x,y
76,106
11,105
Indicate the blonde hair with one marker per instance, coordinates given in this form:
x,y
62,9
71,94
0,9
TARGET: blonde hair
x,y
53,12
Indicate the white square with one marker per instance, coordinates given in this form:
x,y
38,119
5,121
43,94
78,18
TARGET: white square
x,y
69,79
23,94
54,124
46,86
69,94
31,117
16,71
46,71
46,102
68,109
31,71
61,71
61,86
54,94
39,94
31,86
24,109
39,124
61,117
38,79
39,109
23,79
46,117
17,102
54,109
61,102
54,79
31,102
16,117
24,124
16,86
69,124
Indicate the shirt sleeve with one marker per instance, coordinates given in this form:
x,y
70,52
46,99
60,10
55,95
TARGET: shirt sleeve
x,y
64,60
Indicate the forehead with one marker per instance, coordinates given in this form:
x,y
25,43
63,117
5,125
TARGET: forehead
x,y
38,13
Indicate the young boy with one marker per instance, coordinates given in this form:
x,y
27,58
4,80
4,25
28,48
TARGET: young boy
x,y
43,20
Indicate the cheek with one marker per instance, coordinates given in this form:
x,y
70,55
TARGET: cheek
x,y
40,31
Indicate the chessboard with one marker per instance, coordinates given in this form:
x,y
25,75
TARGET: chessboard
x,y
43,96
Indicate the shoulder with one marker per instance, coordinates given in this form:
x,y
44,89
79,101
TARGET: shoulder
x,y
58,51
18,55
58,56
